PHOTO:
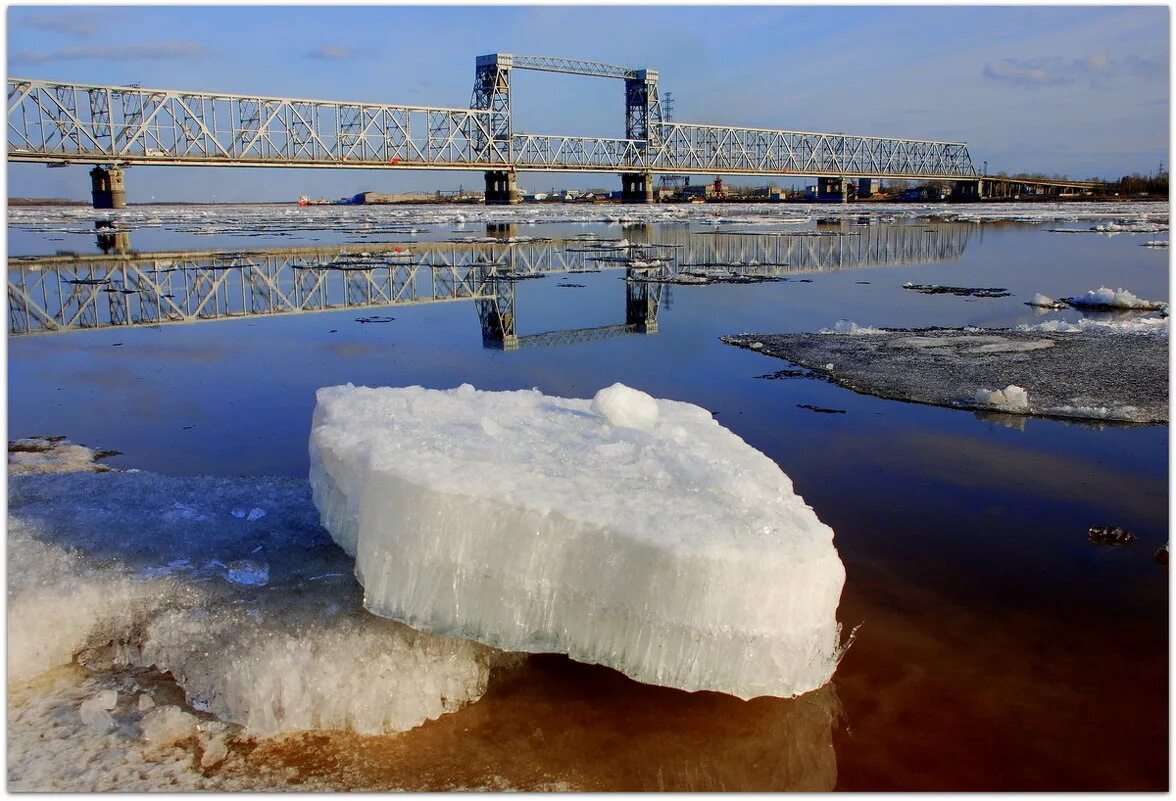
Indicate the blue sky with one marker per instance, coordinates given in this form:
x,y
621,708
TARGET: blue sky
x,y
1079,91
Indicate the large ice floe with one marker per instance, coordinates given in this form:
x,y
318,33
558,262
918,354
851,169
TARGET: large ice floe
x,y
231,587
627,531
1113,370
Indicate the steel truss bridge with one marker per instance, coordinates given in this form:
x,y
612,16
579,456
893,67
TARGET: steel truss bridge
x,y
75,293
62,123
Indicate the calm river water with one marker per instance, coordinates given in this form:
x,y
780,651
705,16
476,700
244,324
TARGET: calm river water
x,y
998,649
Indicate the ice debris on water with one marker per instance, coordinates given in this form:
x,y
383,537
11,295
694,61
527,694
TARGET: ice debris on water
x,y
251,515
1106,298
1154,327
53,454
1010,399
1110,535
850,327
1045,302
959,291
627,531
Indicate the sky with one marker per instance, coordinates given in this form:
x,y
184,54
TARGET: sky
x,y
1077,91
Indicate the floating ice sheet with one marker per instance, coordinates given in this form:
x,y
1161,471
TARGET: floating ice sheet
x,y
628,531
1052,369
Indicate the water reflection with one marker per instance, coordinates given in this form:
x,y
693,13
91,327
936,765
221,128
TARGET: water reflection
x,y
601,731
499,320
121,287
557,725
112,239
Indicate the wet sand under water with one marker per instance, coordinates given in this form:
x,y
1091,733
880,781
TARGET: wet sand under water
x,y
928,698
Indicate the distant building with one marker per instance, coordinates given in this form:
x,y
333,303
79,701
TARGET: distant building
x,y
698,191
377,198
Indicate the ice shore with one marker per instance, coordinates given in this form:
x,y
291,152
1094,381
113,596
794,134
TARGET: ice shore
x,y
627,531
1055,369
231,586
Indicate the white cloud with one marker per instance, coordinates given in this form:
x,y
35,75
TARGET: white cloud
x,y
1023,73
1097,70
79,24
130,52
333,52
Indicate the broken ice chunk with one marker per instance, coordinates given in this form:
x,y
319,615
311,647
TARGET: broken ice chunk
x,y
1045,302
95,711
215,751
1106,298
622,406
689,563
166,724
1011,398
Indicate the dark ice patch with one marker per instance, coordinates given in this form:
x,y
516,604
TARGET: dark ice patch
x,y
960,291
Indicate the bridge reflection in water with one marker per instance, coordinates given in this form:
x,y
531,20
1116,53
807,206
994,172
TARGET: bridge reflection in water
x,y
121,287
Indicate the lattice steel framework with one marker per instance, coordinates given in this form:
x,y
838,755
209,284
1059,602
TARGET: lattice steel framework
x,y
52,122
122,125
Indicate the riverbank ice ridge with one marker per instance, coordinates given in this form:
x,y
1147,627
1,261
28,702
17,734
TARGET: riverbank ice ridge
x,y
626,531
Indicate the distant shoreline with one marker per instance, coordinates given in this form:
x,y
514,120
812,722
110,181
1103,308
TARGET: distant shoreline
x,y
34,201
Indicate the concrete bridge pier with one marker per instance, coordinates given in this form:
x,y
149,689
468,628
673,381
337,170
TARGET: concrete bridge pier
x,y
636,187
502,188
833,189
108,188
966,191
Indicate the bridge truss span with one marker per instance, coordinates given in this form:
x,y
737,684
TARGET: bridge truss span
x,y
53,122
69,122
687,147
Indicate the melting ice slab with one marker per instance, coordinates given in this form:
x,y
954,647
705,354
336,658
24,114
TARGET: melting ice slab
x,y
628,531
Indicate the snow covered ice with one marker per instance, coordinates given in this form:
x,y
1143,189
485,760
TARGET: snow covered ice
x,y
627,531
